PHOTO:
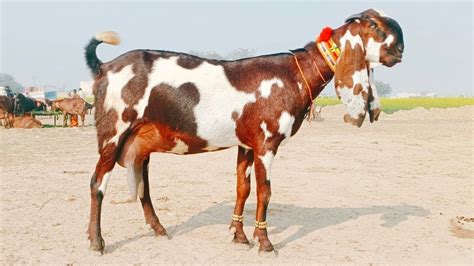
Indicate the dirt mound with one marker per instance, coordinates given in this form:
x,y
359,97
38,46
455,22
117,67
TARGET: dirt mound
x,y
460,113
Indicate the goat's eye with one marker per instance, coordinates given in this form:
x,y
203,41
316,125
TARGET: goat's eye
x,y
381,33
373,26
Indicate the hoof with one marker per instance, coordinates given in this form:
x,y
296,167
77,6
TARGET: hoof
x,y
239,239
265,246
98,245
160,231
237,230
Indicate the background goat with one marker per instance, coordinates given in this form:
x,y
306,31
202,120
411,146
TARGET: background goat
x,y
75,106
159,101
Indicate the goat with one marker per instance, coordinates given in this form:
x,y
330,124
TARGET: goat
x,y
23,104
6,108
23,122
160,101
75,106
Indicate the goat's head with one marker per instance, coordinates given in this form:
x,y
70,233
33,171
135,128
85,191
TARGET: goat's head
x,y
371,39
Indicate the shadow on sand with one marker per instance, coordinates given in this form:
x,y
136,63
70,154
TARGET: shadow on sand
x,y
307,220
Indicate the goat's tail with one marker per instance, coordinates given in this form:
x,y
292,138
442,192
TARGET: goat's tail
x,y
92,60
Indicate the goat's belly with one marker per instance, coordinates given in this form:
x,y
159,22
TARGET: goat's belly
x,y
156,137
210,135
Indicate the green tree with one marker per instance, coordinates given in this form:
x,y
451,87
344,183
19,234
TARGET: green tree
x,y
383,89
9,80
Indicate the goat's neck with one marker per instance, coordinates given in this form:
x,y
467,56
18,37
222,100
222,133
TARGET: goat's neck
x,y
311,60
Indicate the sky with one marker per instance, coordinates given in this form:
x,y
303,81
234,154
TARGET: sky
x,y
42,42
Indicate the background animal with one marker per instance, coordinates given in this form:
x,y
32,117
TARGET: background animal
x,y
23,104
24,122
89,107
6,107
76,106
159,101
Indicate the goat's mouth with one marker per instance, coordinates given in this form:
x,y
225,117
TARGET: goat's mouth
x,y
392,60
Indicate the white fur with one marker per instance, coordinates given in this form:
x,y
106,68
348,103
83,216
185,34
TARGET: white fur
x,y
375,104
211,148
266,85
264,128
355,104
180,147
285,125
300,85
113,98
353,40
381,13
372,54
218,98
105,181
109,37
360,77
245,146
248,171
267,160
135,181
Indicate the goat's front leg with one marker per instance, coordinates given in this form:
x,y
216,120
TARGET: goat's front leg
x,y
65,118
83,118
244,164
263,162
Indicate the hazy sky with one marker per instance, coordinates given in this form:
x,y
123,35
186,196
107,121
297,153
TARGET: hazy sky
x,y
42,42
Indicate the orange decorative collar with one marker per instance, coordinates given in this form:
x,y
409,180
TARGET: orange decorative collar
x,y
328,48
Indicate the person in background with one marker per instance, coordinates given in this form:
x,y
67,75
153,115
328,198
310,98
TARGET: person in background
x,y
81,94
74,94
74,118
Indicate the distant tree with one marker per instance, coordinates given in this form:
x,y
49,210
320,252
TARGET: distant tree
x,y
208,55
383,89
240,53
9,80
232,55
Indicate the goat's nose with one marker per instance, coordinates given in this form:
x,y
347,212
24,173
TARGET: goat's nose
x,y
400,48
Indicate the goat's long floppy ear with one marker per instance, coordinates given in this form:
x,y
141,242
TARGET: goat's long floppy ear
x,y
353,17
364,15
353,84
375,108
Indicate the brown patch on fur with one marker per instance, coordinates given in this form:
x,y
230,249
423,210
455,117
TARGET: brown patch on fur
x,y
356,122
129,114
134,90
358,89
350,61
156,137
189,62
235,116
174,107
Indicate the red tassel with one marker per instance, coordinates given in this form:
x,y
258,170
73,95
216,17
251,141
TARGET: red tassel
x,y
325,34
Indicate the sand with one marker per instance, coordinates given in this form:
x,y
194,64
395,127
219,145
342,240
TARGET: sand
x,y
389,192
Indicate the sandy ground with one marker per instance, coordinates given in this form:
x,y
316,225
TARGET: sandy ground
x,y
385,193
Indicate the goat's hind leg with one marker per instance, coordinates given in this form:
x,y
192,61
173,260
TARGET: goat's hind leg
x,y
98,187
145,199
244,164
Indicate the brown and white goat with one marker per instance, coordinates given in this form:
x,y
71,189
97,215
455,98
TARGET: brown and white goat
x,y
159,101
